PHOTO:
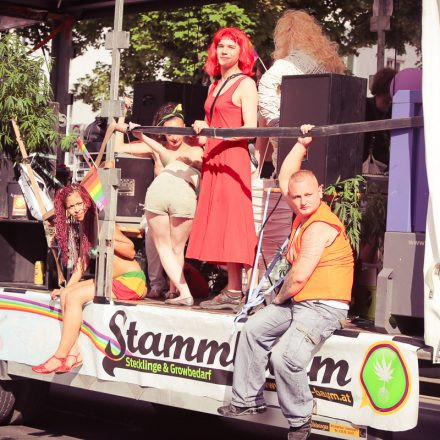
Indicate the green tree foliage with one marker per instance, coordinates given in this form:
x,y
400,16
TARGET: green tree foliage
x,y
348,22
25,95
172,44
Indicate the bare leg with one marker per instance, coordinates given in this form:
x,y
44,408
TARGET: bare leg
x,y
75,297
248,270
160,227
234,277
180,229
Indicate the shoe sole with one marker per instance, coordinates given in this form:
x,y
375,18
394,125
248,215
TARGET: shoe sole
x,y
220,306
247,412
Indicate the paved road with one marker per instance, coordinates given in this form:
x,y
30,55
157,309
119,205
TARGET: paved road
x,y
71,417
110,418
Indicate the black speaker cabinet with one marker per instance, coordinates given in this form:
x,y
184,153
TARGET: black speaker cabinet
x,y
136,176
22,243
7,175
325,99
148,97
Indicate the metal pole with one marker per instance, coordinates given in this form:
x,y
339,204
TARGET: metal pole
x,y
110,177
380,22
380,50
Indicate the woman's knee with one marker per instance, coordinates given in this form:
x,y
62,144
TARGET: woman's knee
x,y
73,299
178,249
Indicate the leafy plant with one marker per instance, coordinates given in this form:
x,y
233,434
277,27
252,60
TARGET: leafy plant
x,y
344,198
374,218
25,95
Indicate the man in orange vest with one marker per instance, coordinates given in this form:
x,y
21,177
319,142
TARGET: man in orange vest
x,y
310,306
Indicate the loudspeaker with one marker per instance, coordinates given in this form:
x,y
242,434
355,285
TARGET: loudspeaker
x,y
136,176
325,99
7,175
148,97
22,243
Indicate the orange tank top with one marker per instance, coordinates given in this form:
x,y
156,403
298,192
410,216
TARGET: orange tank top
x,y
332,278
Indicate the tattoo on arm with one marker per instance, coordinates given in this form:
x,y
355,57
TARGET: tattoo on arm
x,y
313,243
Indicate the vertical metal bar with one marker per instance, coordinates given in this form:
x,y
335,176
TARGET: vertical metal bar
x,y
109,177
116,64
380,49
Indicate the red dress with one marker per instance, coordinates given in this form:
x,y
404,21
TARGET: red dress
x,y
223,230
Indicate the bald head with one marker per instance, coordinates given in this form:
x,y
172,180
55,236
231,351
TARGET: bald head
x,y
305,193
302,175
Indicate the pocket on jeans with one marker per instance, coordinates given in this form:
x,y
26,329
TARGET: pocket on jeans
x,y
302,345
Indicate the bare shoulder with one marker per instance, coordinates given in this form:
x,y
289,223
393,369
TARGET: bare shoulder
x,y
320,232
247,84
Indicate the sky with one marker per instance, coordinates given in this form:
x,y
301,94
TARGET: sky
x,y
80,66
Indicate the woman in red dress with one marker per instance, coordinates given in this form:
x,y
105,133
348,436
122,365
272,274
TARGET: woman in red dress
x,y
223,229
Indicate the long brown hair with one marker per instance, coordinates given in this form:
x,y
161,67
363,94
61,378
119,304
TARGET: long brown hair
x,y
298,30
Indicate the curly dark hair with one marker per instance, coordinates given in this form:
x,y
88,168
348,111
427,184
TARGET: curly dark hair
x,y
166,112
382,81
63,227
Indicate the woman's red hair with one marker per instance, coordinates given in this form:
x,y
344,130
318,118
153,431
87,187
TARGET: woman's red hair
x,y
246,59
62,226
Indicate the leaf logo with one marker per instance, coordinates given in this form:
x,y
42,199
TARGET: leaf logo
x,y
384,378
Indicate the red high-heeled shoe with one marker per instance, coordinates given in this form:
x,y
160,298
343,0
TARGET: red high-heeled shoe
x,y
65,368
41,369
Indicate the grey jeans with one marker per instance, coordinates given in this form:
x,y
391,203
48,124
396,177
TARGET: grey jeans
x,y
154,267
293,333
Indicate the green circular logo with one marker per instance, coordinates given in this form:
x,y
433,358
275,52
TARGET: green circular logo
x,y
384,377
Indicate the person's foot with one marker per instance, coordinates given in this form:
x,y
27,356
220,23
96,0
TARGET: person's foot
x,y
301,432
187,301
171,294
224,300
72,361
154,294
236,411
53,365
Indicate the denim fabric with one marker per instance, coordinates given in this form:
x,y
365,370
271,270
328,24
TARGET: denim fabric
x,y
292,332
156,276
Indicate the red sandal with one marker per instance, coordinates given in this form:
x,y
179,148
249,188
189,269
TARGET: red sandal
x,y
65,368
41,369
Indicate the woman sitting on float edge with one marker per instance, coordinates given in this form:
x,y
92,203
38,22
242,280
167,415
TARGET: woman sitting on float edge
x,y
171,199
76,227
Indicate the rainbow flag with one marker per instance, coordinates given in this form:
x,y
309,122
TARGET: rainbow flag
x,y
93,185
82,148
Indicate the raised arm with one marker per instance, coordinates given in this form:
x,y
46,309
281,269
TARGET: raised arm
x,y
292,162
120,128
164,154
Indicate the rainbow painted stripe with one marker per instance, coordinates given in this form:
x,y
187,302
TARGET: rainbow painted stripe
x,y
92,184
99,340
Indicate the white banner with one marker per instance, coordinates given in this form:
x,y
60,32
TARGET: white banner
x,y
364,378
431,97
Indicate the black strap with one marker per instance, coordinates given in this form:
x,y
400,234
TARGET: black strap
x,y
211,111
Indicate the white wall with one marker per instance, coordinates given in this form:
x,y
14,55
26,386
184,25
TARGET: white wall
x,y
364,65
